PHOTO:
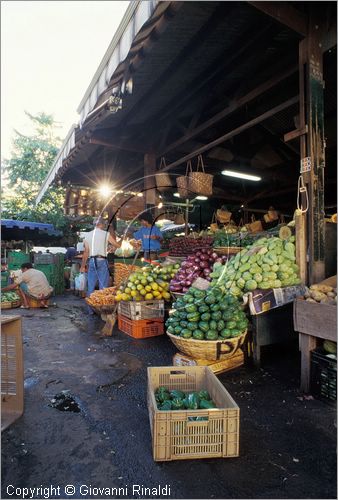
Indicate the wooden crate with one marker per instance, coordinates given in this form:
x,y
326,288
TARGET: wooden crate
x,y
177,435
11,370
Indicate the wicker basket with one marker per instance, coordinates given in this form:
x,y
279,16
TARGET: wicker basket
x,y
227,250
208,349
11,305
200,182
163,179
182,183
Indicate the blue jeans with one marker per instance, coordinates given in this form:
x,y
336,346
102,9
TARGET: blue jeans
x,y
98,273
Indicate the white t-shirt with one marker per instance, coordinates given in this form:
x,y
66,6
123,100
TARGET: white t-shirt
x,y
98,242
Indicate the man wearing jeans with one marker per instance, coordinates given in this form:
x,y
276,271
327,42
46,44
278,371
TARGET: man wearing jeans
x,y
96,249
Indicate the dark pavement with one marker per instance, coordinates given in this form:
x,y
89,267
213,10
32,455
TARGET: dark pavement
x,y
287,442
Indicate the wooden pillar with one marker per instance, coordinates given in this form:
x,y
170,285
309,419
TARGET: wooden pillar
x,y
149,180
313,143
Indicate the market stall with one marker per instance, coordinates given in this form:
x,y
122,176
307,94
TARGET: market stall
x,y
253,152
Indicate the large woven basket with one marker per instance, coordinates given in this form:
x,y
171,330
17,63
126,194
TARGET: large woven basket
x,y
208,349
182,183
200,182
163,179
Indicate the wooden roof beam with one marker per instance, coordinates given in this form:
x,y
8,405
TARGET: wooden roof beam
x,y
234,106
103,140
234,132
284,13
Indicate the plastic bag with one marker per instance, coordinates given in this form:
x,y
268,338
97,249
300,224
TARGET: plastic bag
x,y
81,282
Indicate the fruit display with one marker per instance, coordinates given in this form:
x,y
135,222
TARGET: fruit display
x,y
268,263
182,246
207,315
105,297
323,294
167,400
148,283
9,297
198,265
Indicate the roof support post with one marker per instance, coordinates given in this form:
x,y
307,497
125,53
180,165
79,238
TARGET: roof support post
x,y
149,179
312,144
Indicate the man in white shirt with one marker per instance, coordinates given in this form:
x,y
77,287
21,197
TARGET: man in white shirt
x,y
96,249
31,283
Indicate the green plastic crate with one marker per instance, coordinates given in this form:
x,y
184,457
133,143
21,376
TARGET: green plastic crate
x,y
18,258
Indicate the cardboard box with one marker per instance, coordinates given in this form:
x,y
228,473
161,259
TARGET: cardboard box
x,y
261,301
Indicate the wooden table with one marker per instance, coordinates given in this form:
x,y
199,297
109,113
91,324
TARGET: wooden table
x,y
313,322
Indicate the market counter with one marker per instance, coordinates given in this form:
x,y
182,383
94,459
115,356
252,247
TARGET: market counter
x,y
313,322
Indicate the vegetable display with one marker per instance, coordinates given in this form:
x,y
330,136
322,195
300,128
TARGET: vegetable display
x,y
182,246
148,283
105,297
323,294
9,297
167,400
224,239
207,315
268,263
197,265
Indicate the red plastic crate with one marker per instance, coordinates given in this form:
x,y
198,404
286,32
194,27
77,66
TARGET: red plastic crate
x,y
142,328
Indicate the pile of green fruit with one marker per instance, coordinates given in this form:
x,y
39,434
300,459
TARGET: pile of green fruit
x,y
149,283
167,400
268,263
9,297
207,315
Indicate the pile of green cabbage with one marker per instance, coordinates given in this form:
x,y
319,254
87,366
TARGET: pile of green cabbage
x,y
268,263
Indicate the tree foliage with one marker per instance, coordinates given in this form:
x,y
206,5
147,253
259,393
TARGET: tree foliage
x,y
31,160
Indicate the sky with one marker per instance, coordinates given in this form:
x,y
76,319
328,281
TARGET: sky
x,y
50,51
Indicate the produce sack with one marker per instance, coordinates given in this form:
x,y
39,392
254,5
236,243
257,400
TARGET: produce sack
x,y
182,182
199,181
223,216
126,249
163,179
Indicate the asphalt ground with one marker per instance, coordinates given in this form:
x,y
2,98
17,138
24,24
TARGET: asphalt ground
x,y
103,450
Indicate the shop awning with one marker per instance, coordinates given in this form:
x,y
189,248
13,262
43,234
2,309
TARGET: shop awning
x,y
17,229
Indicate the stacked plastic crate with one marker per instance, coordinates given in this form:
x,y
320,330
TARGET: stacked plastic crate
x,y
52,265
16,259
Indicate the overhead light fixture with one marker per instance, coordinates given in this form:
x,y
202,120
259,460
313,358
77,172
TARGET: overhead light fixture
x,y
240,175
177,195
201,197
139,195
160,205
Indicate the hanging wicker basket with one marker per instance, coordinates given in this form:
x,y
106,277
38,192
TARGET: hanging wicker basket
x,y
182,183
200,182
163,179
212,350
